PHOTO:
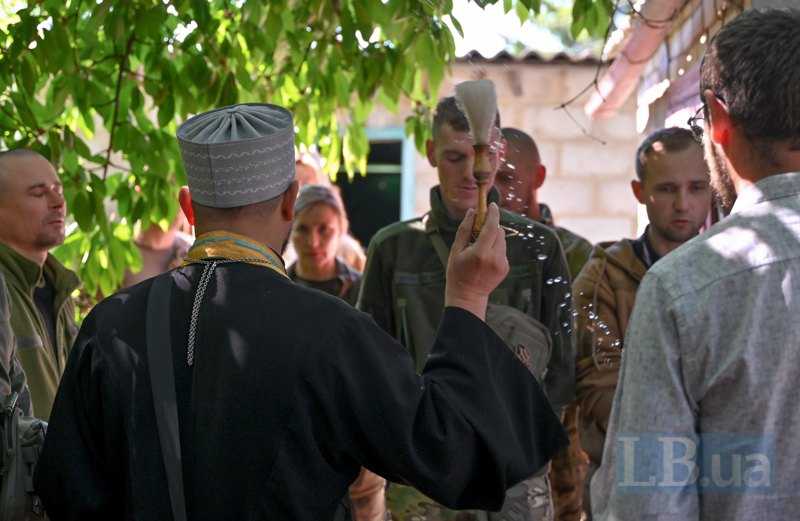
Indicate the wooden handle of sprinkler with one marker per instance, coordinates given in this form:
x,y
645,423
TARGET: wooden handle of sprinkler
x,y
481,171
480,215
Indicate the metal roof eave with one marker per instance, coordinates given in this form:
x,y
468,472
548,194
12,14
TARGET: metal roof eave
x,y
622,77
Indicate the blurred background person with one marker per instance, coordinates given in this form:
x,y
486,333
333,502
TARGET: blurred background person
x,y
320,222
161,250
308,171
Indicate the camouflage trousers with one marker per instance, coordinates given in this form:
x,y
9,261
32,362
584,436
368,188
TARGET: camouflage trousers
x,y
526,501
568,473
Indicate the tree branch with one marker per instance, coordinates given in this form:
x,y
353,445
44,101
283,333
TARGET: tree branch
x,y
120,75
595,83
104,58
140,76
305,57
111,164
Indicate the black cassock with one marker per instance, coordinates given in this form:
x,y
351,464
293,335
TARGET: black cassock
x,y
291,391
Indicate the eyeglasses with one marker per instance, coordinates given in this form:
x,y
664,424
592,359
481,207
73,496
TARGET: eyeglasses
x,y
696,125
696,122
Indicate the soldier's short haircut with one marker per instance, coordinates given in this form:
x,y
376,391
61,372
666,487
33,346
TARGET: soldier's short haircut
x,y
522,141
672,139
447,111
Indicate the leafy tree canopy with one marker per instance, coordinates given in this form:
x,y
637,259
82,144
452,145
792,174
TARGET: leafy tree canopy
x,y
72,70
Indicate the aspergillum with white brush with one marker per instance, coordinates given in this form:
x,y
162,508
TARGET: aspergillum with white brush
x,y
478,101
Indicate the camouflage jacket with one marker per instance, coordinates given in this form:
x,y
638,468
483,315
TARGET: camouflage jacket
x,y
577,250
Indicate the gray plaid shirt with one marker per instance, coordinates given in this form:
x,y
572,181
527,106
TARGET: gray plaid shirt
x,y
706,418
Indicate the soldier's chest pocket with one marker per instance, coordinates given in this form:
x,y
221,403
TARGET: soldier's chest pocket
x,y
421,288
517,290
418,305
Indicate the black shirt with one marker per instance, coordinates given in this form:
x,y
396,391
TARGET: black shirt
x,y
344,285
645,251
44,296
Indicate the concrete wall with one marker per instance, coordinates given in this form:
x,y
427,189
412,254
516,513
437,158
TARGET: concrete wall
x,y
587,186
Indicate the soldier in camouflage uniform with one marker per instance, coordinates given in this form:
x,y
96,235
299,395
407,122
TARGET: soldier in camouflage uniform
x,y
403,289
519,178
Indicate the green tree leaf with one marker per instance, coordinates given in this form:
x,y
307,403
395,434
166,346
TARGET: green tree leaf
x,y
230,91
72,74
166,111
28,74
82,210
523,12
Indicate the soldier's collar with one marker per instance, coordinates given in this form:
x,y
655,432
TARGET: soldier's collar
x,y
441,219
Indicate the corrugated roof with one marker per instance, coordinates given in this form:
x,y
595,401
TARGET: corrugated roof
x,y
532,57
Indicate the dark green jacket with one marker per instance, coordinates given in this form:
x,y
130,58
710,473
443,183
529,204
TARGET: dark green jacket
x,y
577,250
42,361
403,287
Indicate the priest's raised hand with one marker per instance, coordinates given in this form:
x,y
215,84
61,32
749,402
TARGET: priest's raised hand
x,y
475,269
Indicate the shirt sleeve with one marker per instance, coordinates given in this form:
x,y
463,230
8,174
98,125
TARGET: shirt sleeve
x,y
83,425
471,426
12,377
652,431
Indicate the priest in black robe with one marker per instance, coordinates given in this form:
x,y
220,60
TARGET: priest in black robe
x,y
284,392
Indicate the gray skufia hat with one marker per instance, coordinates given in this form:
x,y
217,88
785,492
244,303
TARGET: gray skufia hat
x,y
238,155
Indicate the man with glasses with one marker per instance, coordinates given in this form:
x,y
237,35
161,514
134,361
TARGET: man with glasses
x,y
672,182
705,422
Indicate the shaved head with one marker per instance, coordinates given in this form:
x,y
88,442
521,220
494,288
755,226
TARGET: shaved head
x,y
521,174
32,207
522,143
8,160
